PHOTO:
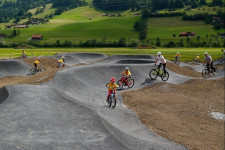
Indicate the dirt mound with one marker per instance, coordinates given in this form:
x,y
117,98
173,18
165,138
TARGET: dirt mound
x,y
185,71
181,113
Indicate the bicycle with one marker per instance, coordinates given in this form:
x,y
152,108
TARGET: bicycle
x,y
154,73
34,71
176,60
208,72
221,59
112,100
125,82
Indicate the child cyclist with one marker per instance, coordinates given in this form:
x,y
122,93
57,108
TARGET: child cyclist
x,y
112,86
61,63
127,74
37,64
162,61
177,57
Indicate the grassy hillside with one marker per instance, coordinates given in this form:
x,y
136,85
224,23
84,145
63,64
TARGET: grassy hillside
x,y
87,23
74,25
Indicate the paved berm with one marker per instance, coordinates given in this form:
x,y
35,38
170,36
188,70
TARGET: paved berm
x,y
66,108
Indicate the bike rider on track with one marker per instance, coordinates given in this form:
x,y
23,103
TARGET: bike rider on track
x,y
162,62
208,61
223,53
37,64
177,56
112,86
127,73
61,62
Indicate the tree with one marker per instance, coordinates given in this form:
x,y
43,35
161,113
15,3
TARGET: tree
x,y
194,4
202,2
143,35
158,42
217,3
179,4
122,42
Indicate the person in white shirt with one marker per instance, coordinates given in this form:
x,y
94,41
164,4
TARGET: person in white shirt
x,y
162,61
208,61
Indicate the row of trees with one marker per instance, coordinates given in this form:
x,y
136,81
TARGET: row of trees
x,y
208,42
152,4
122,42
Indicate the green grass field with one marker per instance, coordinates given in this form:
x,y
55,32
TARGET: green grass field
x,y
87,23
187,53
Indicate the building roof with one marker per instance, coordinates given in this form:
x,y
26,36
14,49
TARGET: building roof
x,y
36,36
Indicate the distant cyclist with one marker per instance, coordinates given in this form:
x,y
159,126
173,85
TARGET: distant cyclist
x,y
208,61
162,61
63,58
112,86
127,73
223,53
197,58
177,57
23,54
61,63
37,64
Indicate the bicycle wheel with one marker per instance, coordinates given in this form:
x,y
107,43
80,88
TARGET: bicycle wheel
x,y
32,71
178,62
113,102
109,102
215,71
220,59
165,77
206,73
120,83
130,83
153,74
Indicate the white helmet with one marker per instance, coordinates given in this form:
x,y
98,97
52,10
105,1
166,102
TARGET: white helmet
x,y
126,68
38,58
196,54
178,52
159,53
206,53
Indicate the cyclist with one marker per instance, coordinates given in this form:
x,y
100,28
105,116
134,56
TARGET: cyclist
x,y
63,58
37,64
112,86
208,61
162,61
177,57
223,53
23,54
61,63
127,73
197,59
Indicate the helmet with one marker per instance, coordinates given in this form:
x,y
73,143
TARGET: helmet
x,y
206,53
178,52
38,58
196,54
126,68
159,53
113,79
222,50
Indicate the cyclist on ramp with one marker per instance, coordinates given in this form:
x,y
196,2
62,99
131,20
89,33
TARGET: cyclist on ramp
x,y
162,61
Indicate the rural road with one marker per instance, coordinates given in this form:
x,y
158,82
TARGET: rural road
x,y
70,112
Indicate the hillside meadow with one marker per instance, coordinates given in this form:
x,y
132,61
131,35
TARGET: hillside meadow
x,y
87,23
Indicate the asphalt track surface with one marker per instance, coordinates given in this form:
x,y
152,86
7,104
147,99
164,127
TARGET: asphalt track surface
x,y
70,112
